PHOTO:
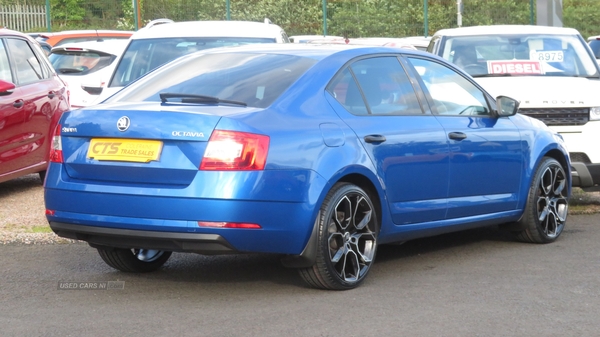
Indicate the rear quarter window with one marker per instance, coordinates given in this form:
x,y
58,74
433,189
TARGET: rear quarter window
x,y
595,45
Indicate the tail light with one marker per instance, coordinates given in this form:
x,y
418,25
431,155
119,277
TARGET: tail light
x,y
235,151
239,225
56,154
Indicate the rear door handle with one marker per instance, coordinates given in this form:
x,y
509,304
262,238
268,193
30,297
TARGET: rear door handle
x,y
18,103
457,135
374,139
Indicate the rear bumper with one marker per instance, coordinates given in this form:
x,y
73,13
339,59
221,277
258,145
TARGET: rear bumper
x,y
283,203
586,176
125,238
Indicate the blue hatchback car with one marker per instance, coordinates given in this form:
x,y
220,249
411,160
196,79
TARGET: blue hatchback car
x,y
317,153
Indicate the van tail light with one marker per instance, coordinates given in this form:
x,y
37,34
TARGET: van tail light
x,y
235,151
56,154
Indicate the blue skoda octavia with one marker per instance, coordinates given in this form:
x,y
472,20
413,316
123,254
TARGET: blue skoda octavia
x,y
317,153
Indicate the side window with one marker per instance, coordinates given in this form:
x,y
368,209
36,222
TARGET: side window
x,y
27,65
449,92
383,84
5,74
345,91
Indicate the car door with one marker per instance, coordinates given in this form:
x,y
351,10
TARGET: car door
x,y
407,144
34,101
11,114
486,155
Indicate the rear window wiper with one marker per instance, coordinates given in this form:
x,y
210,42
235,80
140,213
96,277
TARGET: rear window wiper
x,y
191,98
69,70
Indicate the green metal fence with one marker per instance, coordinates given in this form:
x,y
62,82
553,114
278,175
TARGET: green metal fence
x,y
350,18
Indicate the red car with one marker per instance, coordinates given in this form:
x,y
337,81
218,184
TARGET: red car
x,y
32,100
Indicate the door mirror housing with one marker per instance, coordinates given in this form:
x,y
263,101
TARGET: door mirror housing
x,y
6,88
507,106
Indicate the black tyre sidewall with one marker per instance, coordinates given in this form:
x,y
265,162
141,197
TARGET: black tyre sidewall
x,y
124,260
534,231
328,207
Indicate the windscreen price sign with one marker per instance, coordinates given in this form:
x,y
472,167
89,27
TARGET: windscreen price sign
x,y
517,67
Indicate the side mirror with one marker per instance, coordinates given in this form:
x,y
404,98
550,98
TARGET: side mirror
x,y
6,88
507,106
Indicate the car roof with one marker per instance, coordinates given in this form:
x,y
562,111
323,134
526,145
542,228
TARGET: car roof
x,y
63,37
308,38
7,32
314,51
506,29
209,28
114,47
88,32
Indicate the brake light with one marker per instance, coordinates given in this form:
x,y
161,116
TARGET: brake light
x,y
242,225
235,151
56,154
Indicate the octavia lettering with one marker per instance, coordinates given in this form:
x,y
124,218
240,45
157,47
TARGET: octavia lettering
x,y
187,134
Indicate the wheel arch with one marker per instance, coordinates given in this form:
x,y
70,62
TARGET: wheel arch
x,y
562,159
367,185
564,162
357,176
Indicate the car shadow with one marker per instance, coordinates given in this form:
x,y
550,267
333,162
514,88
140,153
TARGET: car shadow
x,y
195,269
442,242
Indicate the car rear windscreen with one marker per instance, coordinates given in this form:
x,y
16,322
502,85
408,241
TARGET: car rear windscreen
x,y
253,79
144,55
74,62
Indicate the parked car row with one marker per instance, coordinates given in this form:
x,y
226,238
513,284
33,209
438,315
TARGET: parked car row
x,y
318,152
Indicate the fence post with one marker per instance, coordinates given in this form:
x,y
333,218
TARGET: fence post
x,y
135,15
48,23
324,17
425,18
228,7
531,18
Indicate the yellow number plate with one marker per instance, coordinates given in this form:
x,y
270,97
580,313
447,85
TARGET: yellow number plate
x,y
136,150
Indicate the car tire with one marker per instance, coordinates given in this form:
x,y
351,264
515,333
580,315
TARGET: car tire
x,y
347,239
42,175
134,260
547,204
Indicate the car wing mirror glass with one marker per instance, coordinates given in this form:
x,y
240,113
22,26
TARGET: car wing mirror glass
x,y
507,106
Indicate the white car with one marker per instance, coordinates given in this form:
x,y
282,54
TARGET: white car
x,y
551,70
161,42
86,67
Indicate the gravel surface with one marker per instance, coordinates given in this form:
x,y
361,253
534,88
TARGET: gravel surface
x,y
22,218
